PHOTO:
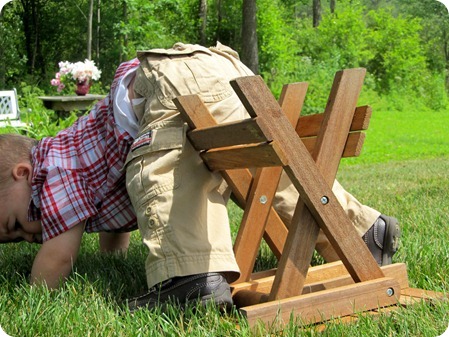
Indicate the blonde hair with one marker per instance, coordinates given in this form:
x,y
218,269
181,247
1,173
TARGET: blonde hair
x,y
14,149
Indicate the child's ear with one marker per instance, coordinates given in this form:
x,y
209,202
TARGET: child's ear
x,y
22,171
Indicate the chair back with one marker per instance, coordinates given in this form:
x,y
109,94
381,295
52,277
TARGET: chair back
x,y
9,108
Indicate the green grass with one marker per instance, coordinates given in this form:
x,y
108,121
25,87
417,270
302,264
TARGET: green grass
x,y
403,171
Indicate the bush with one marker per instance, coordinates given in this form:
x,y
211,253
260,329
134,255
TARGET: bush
x,y
42,122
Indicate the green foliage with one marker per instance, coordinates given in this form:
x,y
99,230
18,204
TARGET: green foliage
x,y
389,45
403,46
339,42
278,48
223,22
41,121
399,59
341,38
12,61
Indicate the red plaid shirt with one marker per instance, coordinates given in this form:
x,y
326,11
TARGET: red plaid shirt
x,y
78,175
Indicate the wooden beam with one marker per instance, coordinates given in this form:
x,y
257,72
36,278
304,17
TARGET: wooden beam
x,y
243,156
312,186
262,193
327,276
309,126
326,304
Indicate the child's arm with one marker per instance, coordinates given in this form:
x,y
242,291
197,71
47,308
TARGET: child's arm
x,y
54,261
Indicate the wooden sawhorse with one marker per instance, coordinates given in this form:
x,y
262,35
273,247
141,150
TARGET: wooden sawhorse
x,y
269,142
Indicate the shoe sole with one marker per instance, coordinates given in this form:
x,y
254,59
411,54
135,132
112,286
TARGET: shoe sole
x,y
391,240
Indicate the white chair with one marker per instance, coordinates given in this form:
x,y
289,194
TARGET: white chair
x,y
9,109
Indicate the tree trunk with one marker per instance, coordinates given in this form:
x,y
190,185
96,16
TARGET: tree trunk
x,y
98,30
203,21
250,56
332,5
2,57
219,21
122,55
89,29
31,27
446,57
316,12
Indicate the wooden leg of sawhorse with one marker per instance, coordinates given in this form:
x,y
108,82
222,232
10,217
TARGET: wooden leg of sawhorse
x,y
313,187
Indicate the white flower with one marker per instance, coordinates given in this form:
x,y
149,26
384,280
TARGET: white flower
x,y
79,71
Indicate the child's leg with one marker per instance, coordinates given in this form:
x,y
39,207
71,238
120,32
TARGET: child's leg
x,y
114,242
361,216
181,213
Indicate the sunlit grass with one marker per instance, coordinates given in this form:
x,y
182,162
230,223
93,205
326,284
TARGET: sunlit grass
x,y
403,172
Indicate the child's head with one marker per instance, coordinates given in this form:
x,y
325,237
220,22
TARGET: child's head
x,y
14,149
15,190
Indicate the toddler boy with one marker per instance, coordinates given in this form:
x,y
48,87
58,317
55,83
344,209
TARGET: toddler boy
x,y
55,189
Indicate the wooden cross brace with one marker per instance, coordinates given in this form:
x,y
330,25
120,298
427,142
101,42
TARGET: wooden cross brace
x,y
270,142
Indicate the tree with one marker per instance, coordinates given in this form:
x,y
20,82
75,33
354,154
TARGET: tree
x,y
332,5
98,29
316,12
89,29
31,17
250,56
203,21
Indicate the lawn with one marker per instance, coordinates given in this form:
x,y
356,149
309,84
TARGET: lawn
x,y
403,171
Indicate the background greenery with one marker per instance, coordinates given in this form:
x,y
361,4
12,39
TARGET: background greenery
x,y
403,169
403,44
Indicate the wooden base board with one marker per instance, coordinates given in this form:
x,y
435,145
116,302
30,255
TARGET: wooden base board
x,y
329,292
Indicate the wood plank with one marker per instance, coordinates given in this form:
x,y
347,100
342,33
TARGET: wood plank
x,y
404,301
248,131
211,138
252,227
263,190
275,233
240,180
352,147
421,294
327,276
326,304
194,111
244,156
301,169
227,134
309,126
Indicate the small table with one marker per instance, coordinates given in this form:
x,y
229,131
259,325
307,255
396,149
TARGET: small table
x,y
63,105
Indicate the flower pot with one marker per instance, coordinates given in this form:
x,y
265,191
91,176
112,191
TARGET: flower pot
x,y
82,88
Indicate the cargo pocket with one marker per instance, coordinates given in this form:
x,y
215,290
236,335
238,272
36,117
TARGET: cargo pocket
x,y
152,165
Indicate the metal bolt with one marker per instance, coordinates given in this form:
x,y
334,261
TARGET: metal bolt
x,y
324,200
390,292
263,199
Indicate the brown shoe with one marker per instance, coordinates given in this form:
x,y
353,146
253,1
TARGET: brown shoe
x,y
382,239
